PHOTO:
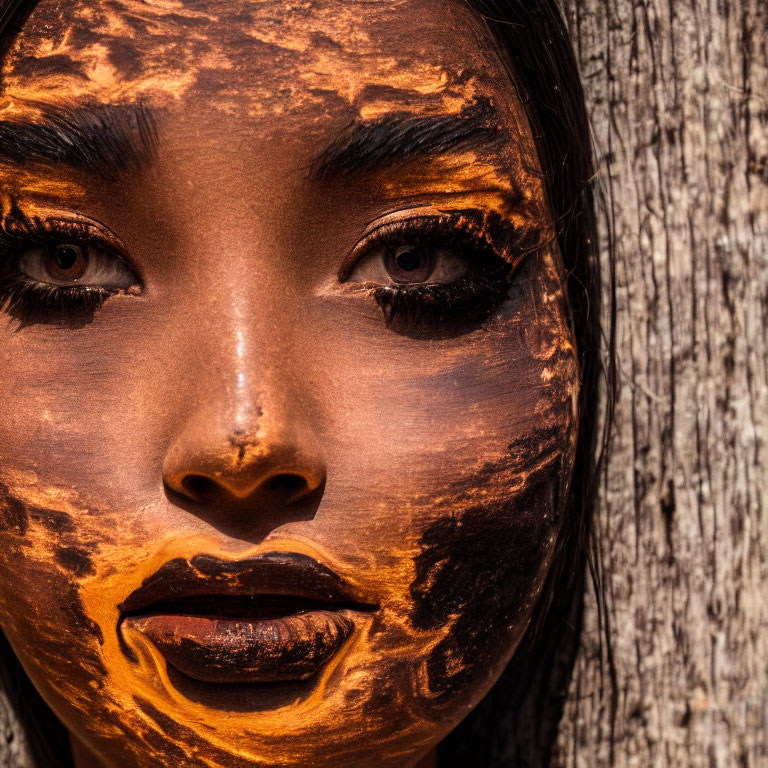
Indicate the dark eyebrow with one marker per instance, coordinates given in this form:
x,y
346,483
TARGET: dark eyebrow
x,y
104,139
376,144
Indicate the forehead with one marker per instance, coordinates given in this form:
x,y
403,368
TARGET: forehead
x,y
254,56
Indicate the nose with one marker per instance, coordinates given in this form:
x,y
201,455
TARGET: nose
x,y
246,475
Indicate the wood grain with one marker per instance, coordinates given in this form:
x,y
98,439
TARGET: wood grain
x,y
674,670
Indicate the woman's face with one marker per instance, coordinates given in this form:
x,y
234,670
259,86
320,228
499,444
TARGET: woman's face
x,y
288,376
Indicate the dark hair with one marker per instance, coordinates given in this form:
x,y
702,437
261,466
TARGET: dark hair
x,y
516,723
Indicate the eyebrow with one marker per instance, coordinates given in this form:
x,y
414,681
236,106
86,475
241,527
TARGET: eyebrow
x,y
103,139
377,144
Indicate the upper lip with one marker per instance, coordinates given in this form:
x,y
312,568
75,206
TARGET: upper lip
x,y
272,573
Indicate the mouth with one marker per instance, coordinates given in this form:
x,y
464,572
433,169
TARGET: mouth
x,y
272,618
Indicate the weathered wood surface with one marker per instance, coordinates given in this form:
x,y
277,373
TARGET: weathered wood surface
x,y
13,753
675,673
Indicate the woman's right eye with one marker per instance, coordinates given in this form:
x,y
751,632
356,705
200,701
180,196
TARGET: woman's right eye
x,y
75,264
59,272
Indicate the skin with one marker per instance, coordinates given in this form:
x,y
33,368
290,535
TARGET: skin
x,y
436,470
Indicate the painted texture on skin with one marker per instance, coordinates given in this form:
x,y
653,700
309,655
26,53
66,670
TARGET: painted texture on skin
x,y
405,665
311,54
29,187
489,546
40,527
83,659
485,556
464,440
59,635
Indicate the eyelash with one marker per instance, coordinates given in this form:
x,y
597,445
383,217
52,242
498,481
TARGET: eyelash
x,y
448,308
29,301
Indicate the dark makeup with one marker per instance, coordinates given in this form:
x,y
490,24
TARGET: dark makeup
x,y
289,377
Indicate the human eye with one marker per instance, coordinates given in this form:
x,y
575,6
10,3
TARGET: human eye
x,y
59,271
438,274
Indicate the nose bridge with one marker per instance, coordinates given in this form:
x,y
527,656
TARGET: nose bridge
x,y
248,389
248,367
237,286
242,362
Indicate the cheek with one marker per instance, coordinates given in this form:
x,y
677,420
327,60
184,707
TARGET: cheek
x,y
459,492
413,421
42,564
480,567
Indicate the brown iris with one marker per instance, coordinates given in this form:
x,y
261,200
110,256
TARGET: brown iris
x,y
408,264
65,261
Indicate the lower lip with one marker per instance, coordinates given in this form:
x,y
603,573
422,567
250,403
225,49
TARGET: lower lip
x,y
230,650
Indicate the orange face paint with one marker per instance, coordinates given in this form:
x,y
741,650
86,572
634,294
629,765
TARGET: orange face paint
x,y
255,513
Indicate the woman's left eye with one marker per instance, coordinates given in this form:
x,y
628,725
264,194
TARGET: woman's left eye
x,y
410,264
432,276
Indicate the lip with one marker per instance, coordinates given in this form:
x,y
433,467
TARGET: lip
x,y
271,618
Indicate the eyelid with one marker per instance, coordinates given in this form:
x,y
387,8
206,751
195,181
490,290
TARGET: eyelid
x,y
57,226
375,229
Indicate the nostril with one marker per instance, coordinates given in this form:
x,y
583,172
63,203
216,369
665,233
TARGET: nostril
x,y
287,485
197,486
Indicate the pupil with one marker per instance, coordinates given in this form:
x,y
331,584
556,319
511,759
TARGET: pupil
x,y
408,260
66,256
